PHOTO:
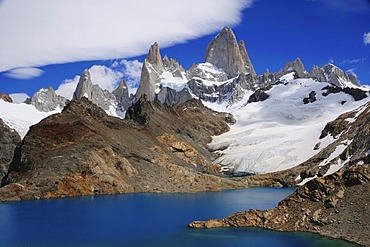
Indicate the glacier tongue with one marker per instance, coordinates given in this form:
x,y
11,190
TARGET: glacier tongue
x,y
280,132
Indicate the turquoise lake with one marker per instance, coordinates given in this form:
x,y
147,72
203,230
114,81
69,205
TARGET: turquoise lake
x,y
145,220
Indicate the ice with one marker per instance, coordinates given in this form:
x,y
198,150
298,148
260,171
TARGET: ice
x,y
280,132
21,116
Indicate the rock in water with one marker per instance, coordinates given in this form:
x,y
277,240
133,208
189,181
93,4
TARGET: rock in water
x,y
8,141
335,206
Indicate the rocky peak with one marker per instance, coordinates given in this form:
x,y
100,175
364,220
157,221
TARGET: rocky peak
x,y
334,75
154,56
297,67
150,73
224,52
84,86
6,98
122,95
100,97
172,65
47,100
247,62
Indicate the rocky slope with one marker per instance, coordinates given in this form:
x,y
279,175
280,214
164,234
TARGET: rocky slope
x,y
83,151
9,139
335,206
333,199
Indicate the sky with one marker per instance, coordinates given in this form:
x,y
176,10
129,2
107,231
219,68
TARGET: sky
x,y
49,43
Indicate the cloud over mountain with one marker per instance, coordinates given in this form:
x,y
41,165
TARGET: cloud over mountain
x,y
42,32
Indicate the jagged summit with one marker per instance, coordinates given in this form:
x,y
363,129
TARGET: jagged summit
x,y
46,100
225,53
154,56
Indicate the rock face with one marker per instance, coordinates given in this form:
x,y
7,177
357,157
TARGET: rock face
x,y
8,141
334,75
225,53
102,98
6,98
297,67
335,206
47,100
150,73
122,96
83,151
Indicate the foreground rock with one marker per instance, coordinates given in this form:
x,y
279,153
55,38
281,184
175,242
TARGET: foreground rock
x,y
83,151
9,139
337,206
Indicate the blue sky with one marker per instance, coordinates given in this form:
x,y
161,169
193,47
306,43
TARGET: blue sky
x,y
275,32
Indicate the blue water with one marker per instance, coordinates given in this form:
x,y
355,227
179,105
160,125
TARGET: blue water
x,y
144,220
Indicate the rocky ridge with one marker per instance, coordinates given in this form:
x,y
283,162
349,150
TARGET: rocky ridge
x,y
335,206
83,151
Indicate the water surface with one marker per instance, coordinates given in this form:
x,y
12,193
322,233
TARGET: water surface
x,y
145,220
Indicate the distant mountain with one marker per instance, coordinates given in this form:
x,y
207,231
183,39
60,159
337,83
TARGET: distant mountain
x,y
279,114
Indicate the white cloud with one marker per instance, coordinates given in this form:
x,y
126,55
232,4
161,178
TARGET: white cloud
x,y
107,78
367,38
354,61
67,88
24,73
19,97
45,32
132,72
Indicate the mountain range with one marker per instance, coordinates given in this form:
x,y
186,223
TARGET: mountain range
x,y
207,128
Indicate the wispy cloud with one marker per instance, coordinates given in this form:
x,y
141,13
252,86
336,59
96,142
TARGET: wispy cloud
x,y
344,6
24,73
45,32
367,38
354,61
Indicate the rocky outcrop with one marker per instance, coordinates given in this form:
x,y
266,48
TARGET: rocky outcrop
x,y
225,53
47,100
170,96
9,139
83,151
122,96
6,98
356,93
297,67
334,75
150,74
102,98
335,206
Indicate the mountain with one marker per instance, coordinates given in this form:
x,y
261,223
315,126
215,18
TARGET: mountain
x,y
225,53
47,100
332,198
281,130
83,151
102,98
279,114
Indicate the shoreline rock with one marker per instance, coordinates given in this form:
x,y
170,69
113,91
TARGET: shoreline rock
x,y
336,206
